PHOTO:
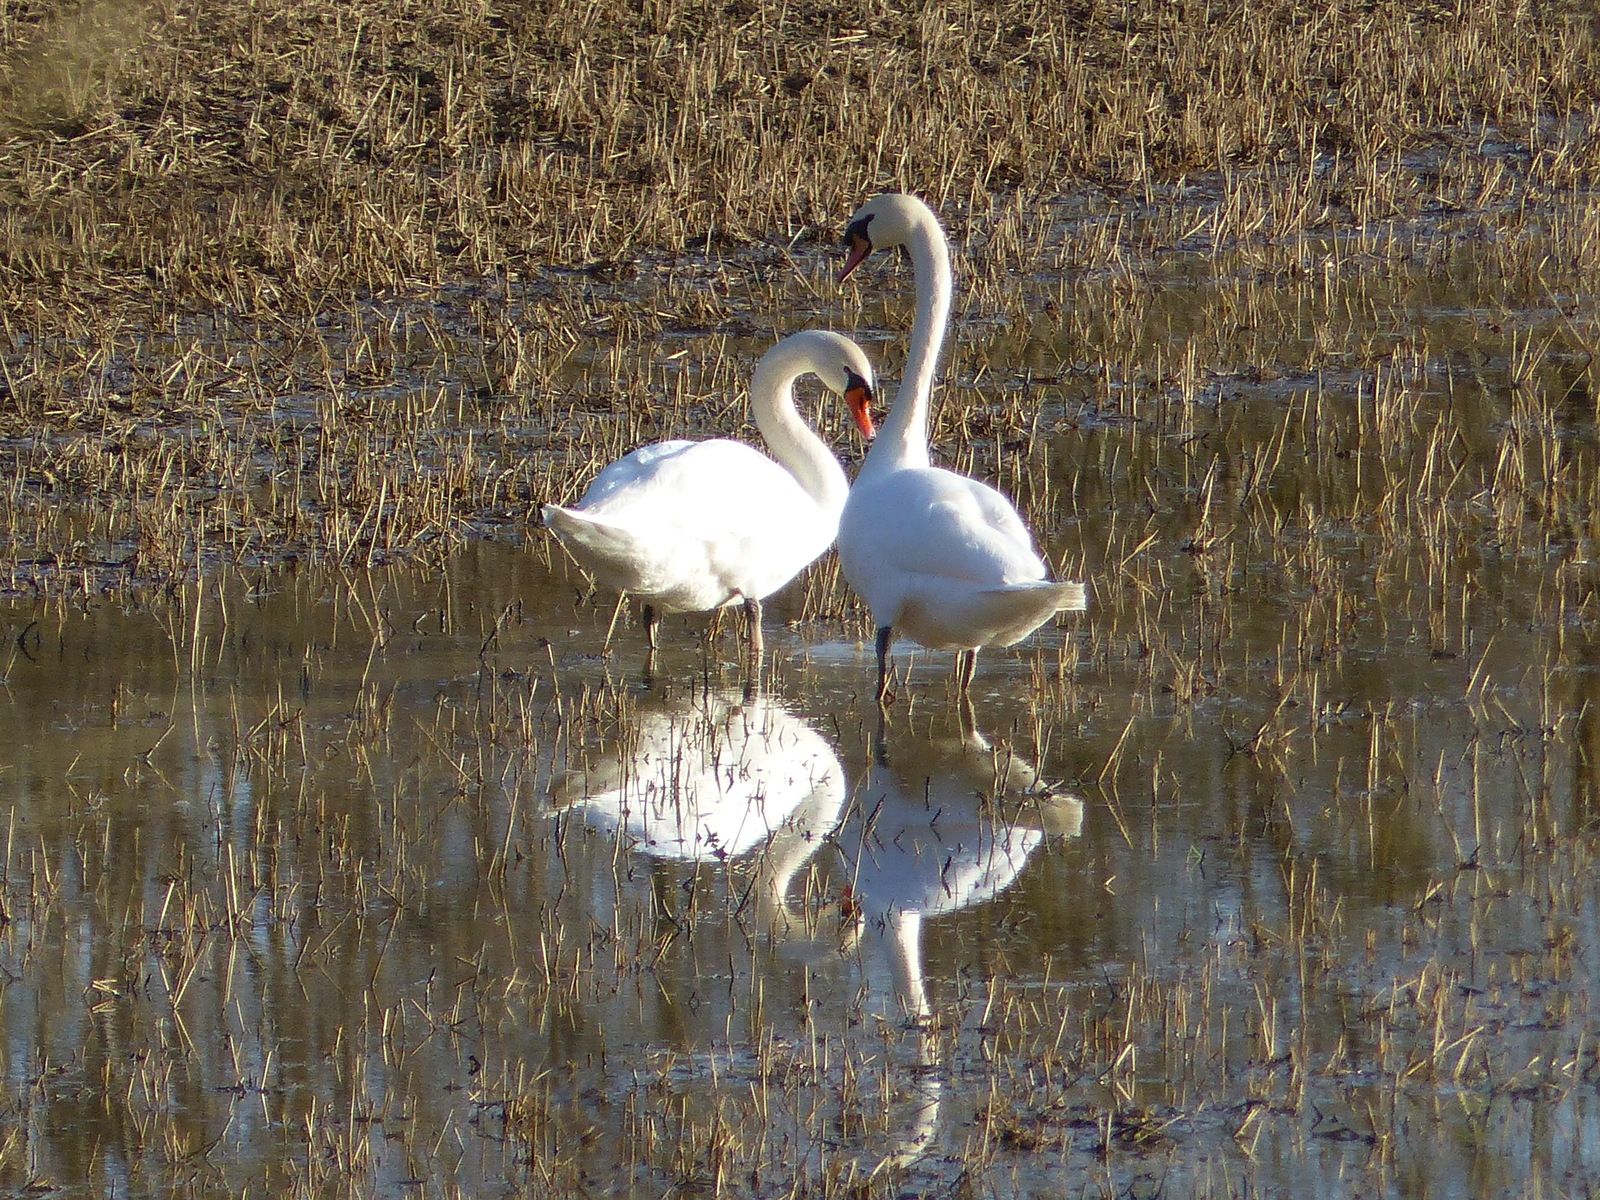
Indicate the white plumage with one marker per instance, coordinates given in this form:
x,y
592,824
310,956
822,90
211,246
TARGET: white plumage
x,y
691,526
938,557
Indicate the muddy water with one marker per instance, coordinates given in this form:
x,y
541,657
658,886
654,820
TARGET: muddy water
x,y
1273,872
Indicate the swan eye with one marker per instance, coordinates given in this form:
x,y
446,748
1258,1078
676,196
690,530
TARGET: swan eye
x,y
856,231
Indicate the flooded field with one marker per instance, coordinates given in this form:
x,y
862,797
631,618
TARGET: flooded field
x,y
1273,873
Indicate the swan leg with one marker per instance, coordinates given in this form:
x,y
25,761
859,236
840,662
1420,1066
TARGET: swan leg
x,y
752,619
651,620
967,719
885,636
880,743
966,668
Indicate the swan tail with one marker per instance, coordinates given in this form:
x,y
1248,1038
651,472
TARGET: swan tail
x,y
593,540
1067,596
616,555
1059,814
1017,609
1074,596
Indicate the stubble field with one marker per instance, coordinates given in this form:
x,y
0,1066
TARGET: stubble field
x,y
1278,322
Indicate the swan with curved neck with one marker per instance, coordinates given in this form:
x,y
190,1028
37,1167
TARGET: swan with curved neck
x,y
938,557
692,526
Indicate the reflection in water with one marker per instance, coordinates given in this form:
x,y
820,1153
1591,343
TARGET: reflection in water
x,y
939,824
275,908
711,777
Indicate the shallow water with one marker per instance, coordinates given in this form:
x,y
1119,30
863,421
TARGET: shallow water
x,y
1273,872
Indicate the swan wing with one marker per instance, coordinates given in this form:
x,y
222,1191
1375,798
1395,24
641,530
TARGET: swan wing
x,y
931,521
688,485
694,525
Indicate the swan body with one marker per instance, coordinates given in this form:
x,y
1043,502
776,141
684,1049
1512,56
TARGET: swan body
x,y
717,778
691,526
942,558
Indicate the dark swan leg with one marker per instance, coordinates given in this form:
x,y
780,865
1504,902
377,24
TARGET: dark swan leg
x,y
647,614
752,620
885,636
966,668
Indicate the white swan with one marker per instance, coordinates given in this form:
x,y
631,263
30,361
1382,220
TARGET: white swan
x,y
692,526
941,558
710,778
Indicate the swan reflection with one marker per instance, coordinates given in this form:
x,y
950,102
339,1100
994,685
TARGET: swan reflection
x,y
938,824
711,776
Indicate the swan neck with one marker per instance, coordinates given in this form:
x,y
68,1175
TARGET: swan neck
x,y
792,442
903,440
904,930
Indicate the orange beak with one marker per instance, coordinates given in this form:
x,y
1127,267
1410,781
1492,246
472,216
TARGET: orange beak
x,y
860,247
859,399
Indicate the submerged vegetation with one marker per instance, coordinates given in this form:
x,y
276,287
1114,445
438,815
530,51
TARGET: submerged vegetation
x,y
1278,321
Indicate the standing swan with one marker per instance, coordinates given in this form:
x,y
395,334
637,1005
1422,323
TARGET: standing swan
x,y
944,559
691,526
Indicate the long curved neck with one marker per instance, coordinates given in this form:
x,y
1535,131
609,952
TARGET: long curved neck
x,y
793,443
792,845
903,440
903,931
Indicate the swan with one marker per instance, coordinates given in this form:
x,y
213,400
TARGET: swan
x,y
690,526
710,778
941,558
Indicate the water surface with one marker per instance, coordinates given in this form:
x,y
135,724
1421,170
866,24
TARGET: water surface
x,y
1272,872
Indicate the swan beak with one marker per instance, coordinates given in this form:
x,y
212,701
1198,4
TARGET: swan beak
x,y
859,397
860,247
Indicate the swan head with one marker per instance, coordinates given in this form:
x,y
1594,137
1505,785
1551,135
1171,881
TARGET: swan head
x,y
888,219
843,367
